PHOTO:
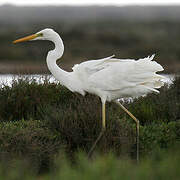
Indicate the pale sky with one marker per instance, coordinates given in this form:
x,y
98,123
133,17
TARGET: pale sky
x,y
90,2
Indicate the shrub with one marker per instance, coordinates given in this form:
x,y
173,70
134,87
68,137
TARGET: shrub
x,y
158,108
28,140
26,98
46,118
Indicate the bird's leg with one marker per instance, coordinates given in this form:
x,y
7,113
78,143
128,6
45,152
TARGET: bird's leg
x,y
102,130
103,116
137,128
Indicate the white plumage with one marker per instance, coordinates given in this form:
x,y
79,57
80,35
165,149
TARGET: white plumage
x,y
113,78
109,78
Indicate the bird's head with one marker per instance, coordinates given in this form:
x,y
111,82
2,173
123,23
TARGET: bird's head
x,y
45,34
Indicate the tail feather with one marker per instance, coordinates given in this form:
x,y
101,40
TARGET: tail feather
x,y
151,89
146,64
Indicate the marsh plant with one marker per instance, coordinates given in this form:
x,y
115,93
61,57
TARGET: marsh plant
x,y
40,122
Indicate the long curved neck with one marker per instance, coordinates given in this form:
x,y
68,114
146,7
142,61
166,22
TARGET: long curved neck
x,y
52,57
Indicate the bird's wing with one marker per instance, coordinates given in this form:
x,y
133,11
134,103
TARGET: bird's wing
x,y
93,66
114,74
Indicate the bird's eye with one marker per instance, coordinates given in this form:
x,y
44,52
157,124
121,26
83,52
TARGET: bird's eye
x,y
40,34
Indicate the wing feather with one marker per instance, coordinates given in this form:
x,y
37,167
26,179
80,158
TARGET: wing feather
x,y
117,74
92,66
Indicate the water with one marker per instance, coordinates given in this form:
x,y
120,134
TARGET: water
x,y
7,79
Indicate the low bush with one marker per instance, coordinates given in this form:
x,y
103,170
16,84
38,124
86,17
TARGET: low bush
x,y
28,140
158,108
40,120
26,98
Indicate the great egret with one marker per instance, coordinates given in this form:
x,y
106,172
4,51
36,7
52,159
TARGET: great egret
x,y
109,78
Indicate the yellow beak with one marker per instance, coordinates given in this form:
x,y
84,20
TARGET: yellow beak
x,y
27,38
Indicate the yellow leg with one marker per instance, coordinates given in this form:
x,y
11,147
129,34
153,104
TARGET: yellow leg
x,y
102,130
137,128
103,116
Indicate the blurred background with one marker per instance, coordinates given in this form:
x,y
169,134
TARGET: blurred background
x,y
90,30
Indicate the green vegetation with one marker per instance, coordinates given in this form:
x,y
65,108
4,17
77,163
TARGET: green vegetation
x,y
161,165
43,127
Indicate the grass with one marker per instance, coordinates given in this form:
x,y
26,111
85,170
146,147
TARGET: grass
x,y
162,165
109,167
42,122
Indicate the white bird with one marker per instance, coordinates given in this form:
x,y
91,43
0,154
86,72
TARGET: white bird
x,y
109,78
